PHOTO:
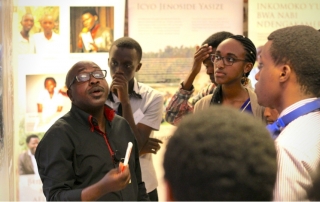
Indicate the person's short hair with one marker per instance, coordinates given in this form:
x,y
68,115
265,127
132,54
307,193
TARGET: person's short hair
x,y
313,192
44,16
220,154
215,39
92,11
31,136
127,42
23,16
48,79
298,46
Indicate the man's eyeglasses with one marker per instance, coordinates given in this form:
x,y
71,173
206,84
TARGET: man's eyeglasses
x,y
227,61
85,76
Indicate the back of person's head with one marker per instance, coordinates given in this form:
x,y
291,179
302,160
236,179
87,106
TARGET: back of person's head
x,y
29,137
298,46
313,192
215,39
249,47
127,42
220,154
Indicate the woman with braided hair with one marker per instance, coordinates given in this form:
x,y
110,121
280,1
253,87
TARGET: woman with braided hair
x,y
233,60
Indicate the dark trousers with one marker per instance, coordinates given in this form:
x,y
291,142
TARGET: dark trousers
x,y
153,195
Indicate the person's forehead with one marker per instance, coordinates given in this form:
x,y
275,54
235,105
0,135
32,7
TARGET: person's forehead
x,y
231,46
50,81
28,17
83,66
48,18
265,52
123,51
87,15
117,48
34,139
207,61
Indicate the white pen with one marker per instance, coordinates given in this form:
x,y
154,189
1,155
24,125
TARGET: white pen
x,y
128,152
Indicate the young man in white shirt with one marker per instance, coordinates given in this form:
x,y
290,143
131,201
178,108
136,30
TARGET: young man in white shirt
x,y
289,80
138,103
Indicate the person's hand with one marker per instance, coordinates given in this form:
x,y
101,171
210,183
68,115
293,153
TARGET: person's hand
x,y
116,179
119,86
152,146
200,55
94,47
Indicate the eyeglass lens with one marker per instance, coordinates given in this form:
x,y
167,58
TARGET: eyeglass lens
x,y
85,76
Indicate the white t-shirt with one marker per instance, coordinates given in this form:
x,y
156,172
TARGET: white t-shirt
x,y
26,46
49,105
45,46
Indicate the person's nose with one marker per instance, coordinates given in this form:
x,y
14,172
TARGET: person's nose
x,y
257,76
119,68
266,112
219,64
210,70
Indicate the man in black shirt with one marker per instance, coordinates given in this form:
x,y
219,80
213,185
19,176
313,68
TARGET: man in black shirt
x,y
78,157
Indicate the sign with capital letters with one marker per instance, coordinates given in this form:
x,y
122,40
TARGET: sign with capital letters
x,y
169,31
266,16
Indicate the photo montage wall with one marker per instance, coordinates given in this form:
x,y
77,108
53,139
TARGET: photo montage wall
x,y
51,36
170,30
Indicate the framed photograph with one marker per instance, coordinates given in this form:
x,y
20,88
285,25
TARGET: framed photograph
x,y
91,29
46,101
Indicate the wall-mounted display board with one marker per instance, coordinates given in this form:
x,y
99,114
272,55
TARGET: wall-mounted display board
x,y
265,16
169,31
48,38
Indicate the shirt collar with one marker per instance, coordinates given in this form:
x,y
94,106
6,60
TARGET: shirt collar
x,y
136,89
95,30
93,123
29,152
108,114
295,106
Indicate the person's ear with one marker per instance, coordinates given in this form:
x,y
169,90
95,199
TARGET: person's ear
x,y
169,195
248,67
139,67
285,72
69,94
95,18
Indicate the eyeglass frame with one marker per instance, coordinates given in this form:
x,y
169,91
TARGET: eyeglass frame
x,y
222,58
90,74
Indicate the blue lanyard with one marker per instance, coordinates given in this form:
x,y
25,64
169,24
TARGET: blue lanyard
x,y
276,127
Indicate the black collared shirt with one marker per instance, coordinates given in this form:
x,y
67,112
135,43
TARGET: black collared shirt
x,y
73,155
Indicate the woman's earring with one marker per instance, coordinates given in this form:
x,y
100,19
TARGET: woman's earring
x,y
244,80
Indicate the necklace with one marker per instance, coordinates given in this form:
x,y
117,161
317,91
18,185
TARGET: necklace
x,y
246,106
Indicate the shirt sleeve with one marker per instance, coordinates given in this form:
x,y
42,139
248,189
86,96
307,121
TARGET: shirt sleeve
x,y
54,156
294,174
179,106
153,114
204,92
